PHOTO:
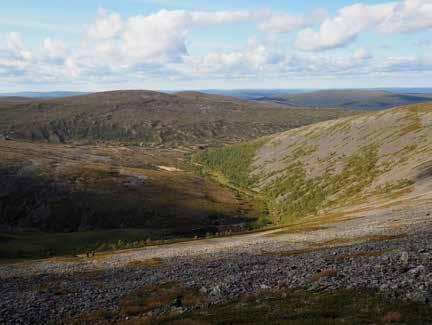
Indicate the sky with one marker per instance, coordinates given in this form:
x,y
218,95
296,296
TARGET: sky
x,y
86,45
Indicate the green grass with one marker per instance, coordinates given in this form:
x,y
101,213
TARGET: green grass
x,y
232,161
268,307
294,196
230,166
306,307
34,244
390,187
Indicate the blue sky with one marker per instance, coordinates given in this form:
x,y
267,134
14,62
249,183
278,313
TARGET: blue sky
x,y
166,44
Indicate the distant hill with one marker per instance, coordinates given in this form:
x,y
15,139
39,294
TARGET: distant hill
x,y
51,94
415,90
353,99
150,118
355,165
252,93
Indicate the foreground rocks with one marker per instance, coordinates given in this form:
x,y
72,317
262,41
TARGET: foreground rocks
x,y
399,267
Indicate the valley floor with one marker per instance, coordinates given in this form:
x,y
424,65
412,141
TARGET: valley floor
x,y
385,252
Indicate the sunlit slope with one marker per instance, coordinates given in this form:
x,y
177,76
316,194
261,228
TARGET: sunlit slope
x,y
379,157
371,161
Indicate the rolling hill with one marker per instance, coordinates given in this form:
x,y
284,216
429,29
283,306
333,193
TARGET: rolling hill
x,y
150,118
353,99
95,196
379,160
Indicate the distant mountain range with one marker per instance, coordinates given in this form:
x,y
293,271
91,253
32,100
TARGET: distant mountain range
x,y
253,93
357,99
50,94
271,93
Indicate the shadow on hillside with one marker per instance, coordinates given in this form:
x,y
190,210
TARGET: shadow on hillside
x,y
30,199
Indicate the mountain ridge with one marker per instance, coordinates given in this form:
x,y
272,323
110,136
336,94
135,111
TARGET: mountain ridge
x,y
150,118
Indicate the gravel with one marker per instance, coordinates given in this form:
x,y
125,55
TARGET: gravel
x,y
398,268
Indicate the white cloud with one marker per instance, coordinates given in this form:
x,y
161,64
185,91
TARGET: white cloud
x,y
106,25
153,39
206,18
362,54
14,57
53,49
282,22
15,47
155,46
159,37
391,17
408,16
344,28
250,61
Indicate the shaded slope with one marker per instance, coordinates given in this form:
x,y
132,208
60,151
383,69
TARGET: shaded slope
x,y
58,187
150,118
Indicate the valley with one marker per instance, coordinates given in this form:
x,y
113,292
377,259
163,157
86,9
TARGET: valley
x,y
64,199
216,162
284,216
379,159
80,170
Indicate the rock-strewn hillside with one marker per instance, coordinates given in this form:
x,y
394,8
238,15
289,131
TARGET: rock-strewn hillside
x,y
150,118
365,161
378,160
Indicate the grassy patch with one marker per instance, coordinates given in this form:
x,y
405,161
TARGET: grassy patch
x,y
295,306
393,189
34,244
154,261
231,161
230,166
294,196
153,297
301,307
322,274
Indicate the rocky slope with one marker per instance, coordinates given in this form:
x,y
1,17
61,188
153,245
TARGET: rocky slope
x,y
114,288
360,163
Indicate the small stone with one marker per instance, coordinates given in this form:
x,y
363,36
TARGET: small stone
x,y
215,291
203,290
419,296
404,258
312,287
415,271
176,302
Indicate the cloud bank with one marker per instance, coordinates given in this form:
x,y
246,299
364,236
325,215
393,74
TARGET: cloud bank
x,y
143,47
